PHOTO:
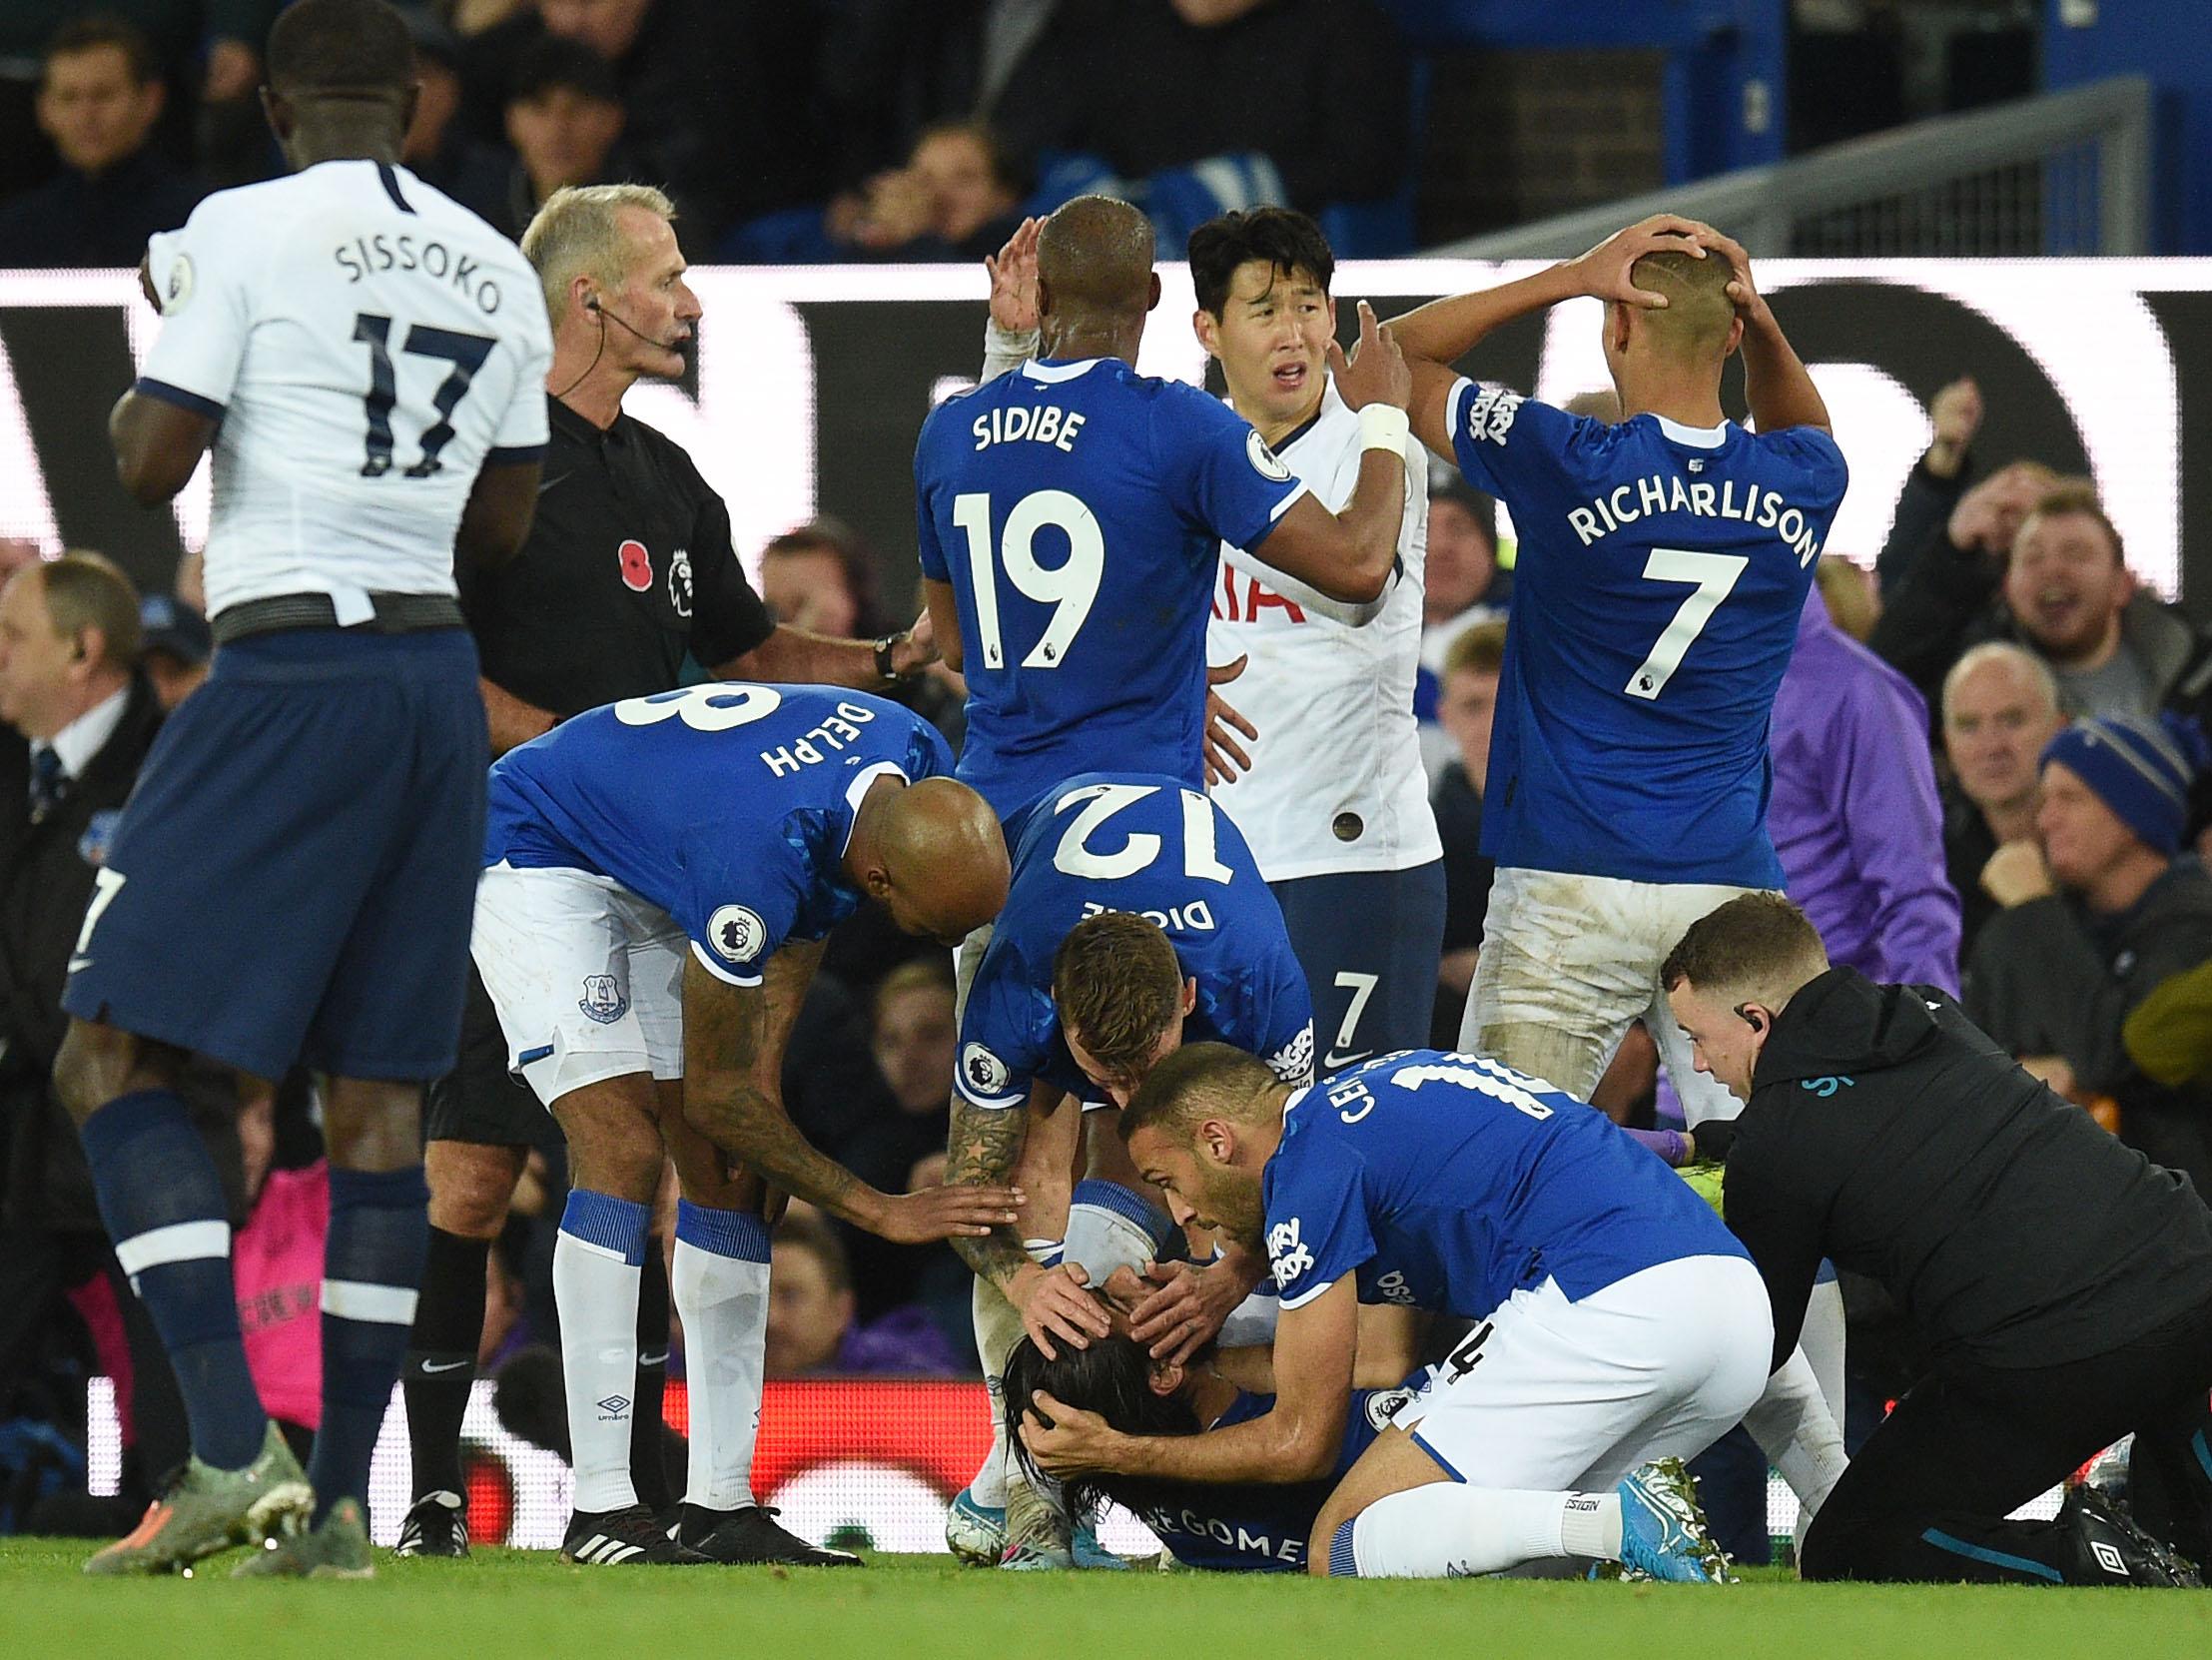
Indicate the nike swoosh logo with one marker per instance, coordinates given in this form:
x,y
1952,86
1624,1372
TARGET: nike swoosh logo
x,y
76,963
1333,1059
548,484
431,1369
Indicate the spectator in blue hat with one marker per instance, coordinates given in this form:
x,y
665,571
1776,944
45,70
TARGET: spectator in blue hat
x,y
175,644
2095,913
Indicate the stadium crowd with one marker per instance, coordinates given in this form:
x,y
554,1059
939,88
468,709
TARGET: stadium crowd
x,y
1989,774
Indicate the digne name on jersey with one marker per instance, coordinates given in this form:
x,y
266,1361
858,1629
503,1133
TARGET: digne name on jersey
x,y
1657,492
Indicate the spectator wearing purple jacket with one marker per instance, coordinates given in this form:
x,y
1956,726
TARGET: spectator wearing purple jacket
x,y
1854,814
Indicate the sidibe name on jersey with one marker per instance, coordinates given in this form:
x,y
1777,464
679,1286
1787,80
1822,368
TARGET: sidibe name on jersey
x,y
1657,493
1046,424
433,260
1194,918
820,742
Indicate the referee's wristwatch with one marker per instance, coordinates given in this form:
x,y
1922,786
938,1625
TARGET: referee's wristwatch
x,y
886,645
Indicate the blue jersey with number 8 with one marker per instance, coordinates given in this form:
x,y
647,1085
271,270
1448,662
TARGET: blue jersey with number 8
x,y
1656,595
1077,509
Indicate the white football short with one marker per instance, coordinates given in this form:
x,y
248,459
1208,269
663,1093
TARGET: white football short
x,y
1569,963
587,978
1550,1396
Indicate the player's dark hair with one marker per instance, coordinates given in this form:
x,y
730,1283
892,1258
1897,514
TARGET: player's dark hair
x,y
341,46
557,64
1115,981
103,31
1114,1378
1757,940
1197,1079
1286,239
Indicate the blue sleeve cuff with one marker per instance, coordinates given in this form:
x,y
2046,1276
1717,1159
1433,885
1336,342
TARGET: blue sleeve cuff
x,y
162,390
1131,1206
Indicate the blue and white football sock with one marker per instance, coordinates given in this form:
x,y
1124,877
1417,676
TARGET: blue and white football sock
x,y
997,1328
720,1277
597,1259
1111,1226
1447,1530
372,1264
164,1207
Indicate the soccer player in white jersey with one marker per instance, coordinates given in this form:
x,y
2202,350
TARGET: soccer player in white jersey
x,y
1334,803
291,880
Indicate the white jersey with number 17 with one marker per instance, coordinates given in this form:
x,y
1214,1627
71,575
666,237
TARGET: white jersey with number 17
x,y
368,344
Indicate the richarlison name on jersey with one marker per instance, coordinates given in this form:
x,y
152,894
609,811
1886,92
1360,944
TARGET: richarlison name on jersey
x,y
1657,493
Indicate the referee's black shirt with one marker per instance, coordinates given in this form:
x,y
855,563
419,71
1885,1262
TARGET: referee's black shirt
x,y
1886,1132
628,565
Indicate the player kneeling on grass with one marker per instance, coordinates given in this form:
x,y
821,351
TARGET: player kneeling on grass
x,y
1619,1322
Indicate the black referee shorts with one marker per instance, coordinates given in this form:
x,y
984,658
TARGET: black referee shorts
x,y
479,1100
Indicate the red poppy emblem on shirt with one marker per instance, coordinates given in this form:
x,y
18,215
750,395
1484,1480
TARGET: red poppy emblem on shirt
x,y
637,567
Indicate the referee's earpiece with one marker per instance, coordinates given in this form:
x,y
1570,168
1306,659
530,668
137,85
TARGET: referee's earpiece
x,y
591,302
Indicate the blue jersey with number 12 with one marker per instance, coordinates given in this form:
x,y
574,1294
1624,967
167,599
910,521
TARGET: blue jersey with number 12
x,y
1656,596
1141,843
1077,511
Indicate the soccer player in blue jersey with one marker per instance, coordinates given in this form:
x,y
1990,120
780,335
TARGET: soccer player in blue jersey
x,y
1664,562
1619,1322
1070,515
290,882
1137,920
659,875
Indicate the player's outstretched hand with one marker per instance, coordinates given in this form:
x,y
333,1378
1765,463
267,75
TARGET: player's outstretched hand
x,y
1603,273
1013,279
1224,756
1067,1440
1057,1304
952,1212
1187,1311
1376,371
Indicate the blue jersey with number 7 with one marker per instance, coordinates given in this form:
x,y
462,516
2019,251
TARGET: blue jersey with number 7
x,y
1656,596
1077,509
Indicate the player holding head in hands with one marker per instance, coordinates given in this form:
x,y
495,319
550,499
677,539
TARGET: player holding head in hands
x,y
659,877
1665,560
1619,1324
290,882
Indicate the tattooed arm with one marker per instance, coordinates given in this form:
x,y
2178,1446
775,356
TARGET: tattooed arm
x,y
986,1147
734,1041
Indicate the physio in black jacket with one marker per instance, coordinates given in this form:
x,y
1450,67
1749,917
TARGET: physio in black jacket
x,y
2061,1282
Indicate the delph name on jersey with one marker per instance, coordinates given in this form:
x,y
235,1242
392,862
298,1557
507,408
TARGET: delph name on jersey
x,y
1657,492
835,732
434,262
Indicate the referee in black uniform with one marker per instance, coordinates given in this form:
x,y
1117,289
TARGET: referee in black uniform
x,y
2061,1282
628,570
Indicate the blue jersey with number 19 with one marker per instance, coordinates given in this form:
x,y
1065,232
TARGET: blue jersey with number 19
x,y
1076,508
1656,596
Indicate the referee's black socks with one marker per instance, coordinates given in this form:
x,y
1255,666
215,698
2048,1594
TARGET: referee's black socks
x,y
442,1359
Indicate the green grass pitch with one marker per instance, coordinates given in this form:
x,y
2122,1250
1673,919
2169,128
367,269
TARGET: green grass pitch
x,y
517,1604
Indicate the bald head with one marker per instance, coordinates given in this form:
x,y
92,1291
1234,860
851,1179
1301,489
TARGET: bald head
x,y
933,855
1698,321
1095,264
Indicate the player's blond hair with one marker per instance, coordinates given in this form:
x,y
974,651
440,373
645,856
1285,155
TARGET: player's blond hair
x,y
1694,324
578,233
